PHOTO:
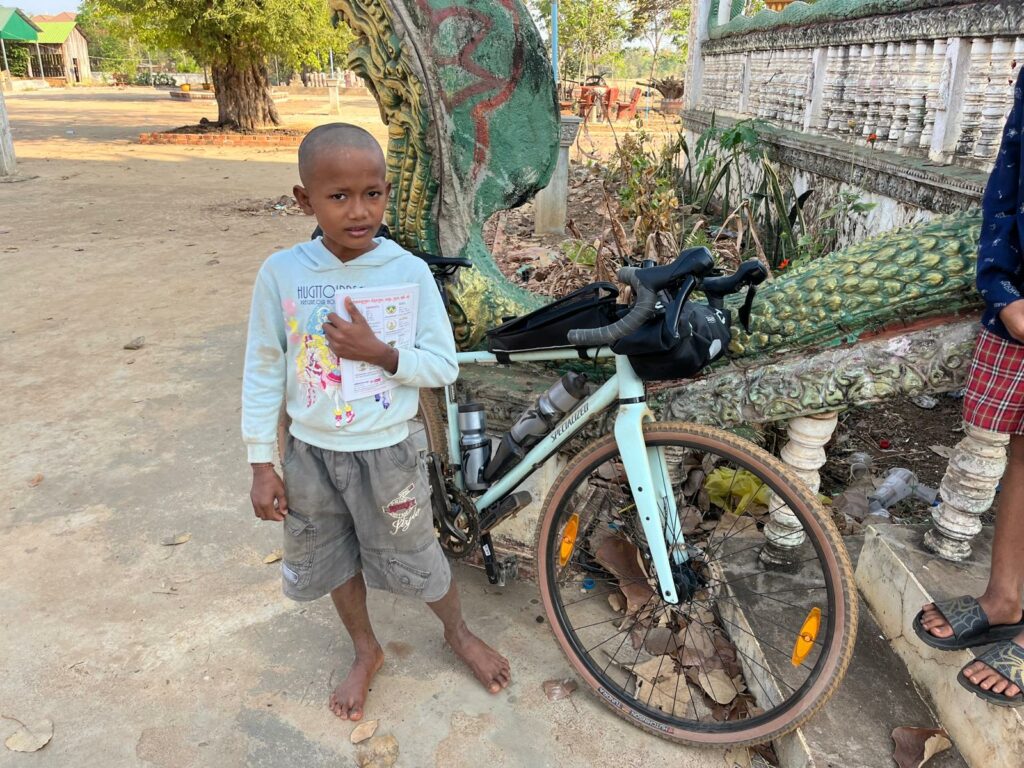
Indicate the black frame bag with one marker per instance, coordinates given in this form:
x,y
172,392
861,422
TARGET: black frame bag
x,y
678,342
592,306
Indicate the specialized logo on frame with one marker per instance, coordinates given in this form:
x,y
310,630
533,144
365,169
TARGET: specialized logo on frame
x,y
402,510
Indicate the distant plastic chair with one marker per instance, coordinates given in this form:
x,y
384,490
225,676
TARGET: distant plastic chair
x,y
586,102
608,103
627,109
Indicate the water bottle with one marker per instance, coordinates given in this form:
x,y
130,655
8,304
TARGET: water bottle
x,y
536,422
899,483
476,446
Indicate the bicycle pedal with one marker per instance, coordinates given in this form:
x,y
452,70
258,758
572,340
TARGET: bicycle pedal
x,y
508,570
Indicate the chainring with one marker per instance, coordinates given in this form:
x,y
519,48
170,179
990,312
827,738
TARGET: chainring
x,y
464,519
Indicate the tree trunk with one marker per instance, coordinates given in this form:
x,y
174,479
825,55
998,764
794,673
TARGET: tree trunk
x,y
243,95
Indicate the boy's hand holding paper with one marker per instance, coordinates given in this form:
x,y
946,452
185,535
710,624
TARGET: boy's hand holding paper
x,y
350,337
366,332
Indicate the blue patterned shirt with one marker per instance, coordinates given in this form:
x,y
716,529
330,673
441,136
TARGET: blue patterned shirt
x,y
1001,249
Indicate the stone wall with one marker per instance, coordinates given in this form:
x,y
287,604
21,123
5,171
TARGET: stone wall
x,y
903,102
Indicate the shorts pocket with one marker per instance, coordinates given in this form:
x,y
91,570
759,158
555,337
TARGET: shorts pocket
x,y
403,455
402,577
298,550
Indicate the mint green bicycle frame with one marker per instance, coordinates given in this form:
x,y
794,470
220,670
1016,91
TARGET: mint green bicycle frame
x,y
645,467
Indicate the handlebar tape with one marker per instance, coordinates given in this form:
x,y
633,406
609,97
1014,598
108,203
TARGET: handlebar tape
x,y
642,310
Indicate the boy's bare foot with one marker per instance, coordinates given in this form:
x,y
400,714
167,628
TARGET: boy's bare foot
x,y
490,667
998,612
349,697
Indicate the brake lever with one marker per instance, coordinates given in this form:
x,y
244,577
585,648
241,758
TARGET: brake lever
x,y
748,303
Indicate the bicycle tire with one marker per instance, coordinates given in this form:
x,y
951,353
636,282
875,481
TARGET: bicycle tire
x,y
822,535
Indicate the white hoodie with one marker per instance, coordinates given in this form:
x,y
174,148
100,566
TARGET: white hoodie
x,y
287,355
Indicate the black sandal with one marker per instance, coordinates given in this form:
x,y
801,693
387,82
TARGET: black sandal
x,y
1008,660
970,626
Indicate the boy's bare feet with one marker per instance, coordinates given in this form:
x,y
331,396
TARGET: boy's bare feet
x,y
349,697
490,667
982,675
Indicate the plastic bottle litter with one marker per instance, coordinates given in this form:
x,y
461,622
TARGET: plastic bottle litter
x,y
588,584
899,483
860,464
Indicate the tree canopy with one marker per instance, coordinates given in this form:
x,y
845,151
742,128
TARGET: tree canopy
x,y
234,38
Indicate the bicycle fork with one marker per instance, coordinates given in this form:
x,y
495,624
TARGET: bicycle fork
x,y
648,476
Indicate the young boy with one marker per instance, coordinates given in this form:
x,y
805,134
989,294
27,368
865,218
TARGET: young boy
x,y
355,500
995,402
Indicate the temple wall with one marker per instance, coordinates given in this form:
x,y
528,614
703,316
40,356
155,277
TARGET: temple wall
x,y
902,102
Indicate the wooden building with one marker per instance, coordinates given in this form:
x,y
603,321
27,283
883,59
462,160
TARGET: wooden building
x,y
65,50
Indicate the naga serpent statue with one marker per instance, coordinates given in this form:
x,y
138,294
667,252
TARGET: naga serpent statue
x,y
466,90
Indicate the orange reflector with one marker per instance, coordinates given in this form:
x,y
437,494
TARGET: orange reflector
x,y
568,539
808,634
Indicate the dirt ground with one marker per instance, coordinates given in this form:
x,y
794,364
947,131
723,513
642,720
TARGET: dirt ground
x,y
174,656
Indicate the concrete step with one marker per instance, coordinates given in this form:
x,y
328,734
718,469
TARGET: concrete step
x,y
896,576
853,730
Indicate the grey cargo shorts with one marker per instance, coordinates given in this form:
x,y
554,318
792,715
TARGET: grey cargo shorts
x,y
358,511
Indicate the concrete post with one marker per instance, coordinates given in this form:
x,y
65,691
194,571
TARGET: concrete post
x,y
967,491
952,84
805,454
549,206
700,9
7,163
816,100
332,92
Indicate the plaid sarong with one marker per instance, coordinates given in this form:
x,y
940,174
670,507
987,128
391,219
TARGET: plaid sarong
x,y
994,400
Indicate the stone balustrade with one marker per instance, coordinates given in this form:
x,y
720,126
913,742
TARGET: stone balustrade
x,y
933,82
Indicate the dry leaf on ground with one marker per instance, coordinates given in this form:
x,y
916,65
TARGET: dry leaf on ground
x,y
273,557
363,731
619,558
660,685
698,645
718,685
557,690
173,541
378,752
31,736
35,481
137,343
738,757
941,450
916,746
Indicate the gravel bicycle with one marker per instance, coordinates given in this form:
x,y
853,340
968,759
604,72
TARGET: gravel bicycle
x,y
648,543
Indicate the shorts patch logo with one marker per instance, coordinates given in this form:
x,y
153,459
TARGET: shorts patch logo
x,y
402,510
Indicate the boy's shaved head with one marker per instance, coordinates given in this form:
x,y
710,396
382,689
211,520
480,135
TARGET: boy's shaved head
x,y
336,137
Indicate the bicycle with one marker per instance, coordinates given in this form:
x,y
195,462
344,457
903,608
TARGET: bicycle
x,y
647,545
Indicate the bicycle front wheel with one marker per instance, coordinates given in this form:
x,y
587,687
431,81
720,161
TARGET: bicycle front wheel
x,y
751,651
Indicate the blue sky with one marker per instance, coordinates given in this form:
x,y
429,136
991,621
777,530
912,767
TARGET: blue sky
x,y
32,7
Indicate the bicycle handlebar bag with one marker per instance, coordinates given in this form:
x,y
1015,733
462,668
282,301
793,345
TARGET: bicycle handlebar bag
x,y
592,306
657,354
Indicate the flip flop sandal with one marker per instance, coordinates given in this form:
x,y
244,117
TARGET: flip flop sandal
x,y
970,626
1008,660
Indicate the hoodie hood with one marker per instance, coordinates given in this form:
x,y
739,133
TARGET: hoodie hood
x,y
314,255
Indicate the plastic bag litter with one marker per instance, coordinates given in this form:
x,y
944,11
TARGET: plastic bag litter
x,y
735,489
559,689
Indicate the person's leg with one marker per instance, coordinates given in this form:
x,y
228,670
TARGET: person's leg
x,y
349,697
1002,598
490,667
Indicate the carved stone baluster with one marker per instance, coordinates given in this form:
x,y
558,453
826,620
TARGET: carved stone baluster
x,y
838,91
831,90
967,491
901,108
875,88
932,100
918,88
887,106
805,454
862,91
974,96
791,91
997,101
